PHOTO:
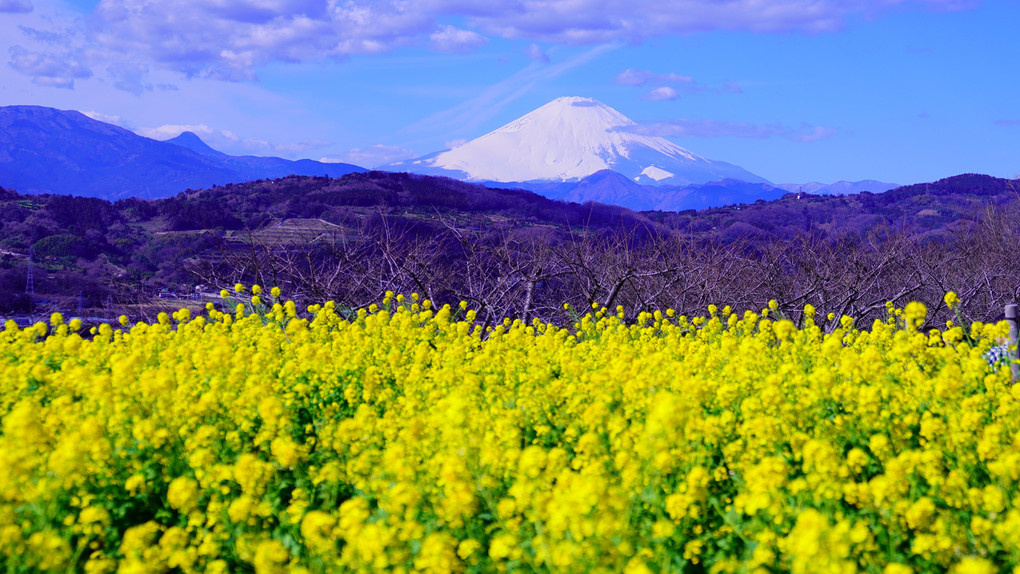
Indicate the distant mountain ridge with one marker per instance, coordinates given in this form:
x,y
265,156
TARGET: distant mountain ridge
x,y
839,187
612,188
45,150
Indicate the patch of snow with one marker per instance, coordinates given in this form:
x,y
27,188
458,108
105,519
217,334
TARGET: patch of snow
x,y
656,173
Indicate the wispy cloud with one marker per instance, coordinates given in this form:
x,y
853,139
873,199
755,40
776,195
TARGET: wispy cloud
x,y
130,77
15,6
450,39
455,143
226,138
632,77
167,131
592,21
663,93
686,128
372,156
465,118
668,86
231,39
110,119
59,70
537,54
50,47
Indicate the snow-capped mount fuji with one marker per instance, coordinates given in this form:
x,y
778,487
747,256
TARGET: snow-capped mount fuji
x,y
570,139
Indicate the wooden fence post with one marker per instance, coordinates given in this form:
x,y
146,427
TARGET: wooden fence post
x,y
1013,350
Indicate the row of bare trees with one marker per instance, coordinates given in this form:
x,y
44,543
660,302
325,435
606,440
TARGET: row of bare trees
x,y
531,272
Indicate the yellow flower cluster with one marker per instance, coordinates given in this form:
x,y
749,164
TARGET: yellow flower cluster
x,y
410,438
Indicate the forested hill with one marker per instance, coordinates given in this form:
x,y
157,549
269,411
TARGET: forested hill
x,y
414,197
426,232
929,209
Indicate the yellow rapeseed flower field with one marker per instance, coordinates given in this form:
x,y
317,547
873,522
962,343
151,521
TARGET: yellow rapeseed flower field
x,y
409,438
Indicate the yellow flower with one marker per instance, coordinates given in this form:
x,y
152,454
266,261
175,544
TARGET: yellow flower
x,y
411,439
271,557
502,546
637,566
240,509
467,548
951,299
183,493
94,514
316,529
914,314
286,451
974,565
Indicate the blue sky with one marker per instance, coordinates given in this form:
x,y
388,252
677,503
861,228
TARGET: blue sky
x,y
792,90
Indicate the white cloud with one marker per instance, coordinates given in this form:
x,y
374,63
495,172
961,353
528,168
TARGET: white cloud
x,y
295,148
48,69
101,117
811,134
467,116
372,156
536,54
456,40
46,45
55,36
632,77
455,143
130,77
714,128
230,39
669,86
168,131
15,6
226,139
592,21
129,43
663,93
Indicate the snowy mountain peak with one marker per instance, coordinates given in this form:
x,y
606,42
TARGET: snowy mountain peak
x,y
571,113
571,138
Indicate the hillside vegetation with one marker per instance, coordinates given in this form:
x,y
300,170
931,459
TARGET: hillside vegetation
x,y
512,252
